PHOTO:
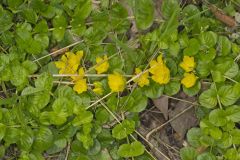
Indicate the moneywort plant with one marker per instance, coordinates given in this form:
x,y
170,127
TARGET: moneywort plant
x,y
76,73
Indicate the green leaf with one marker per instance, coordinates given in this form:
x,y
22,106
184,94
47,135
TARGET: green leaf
x,y
43,139
208,98
215,132
95,149
86,139
233,113
5,20
191,11
41,27
226,66
188,153
208,39
59,21
207,140
140,101
102,115
217,76
235,136
83,9
225,141
71,4
193,137
78,27
172,88
131,150
38,5
49,11
207,55
206,156
218,117
168,8
30,66
43,39
2,151
193,47
14,4
154,90
144,13
30,90
1,114
25,139
231,154
11,136
34,47
2,130
119,18
20,76
58,33
30,15
174,49
227,95
44,81
232,71
204,68
63,105
54,117
39,100
83,118
58,145
122,130
7,38
224,45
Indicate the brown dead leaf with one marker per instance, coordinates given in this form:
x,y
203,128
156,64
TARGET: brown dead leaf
x,y
220,15
184,122
55,49
162,104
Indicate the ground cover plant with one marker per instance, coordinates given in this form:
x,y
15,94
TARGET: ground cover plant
x,y
76,75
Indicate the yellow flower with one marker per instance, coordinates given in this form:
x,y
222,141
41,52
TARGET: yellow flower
x,y
69,62
143,79
102,64
116,82
189,80
160,72
80,86
81,74
188,63
98,88
155,64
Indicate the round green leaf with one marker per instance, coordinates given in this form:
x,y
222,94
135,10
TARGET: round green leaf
x,y
131,150
154,90
206,156
188,153
208,39
43,139
227,95
224,45
122,130
193,137
172,88
208,98
218,117
144,13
